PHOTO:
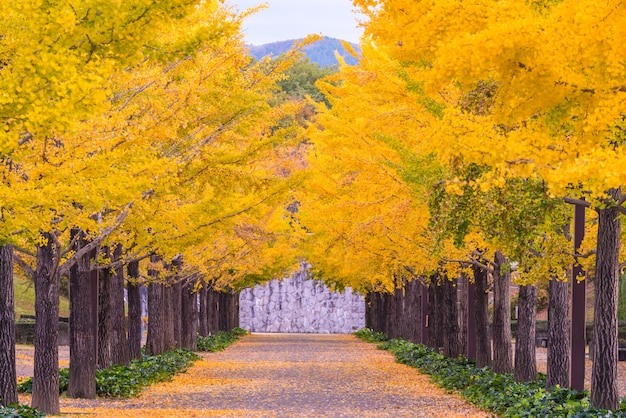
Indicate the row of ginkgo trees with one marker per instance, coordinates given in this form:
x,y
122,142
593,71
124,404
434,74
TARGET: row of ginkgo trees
x,y
134,130
457,144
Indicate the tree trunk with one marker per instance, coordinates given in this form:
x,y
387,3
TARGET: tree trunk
x,y
82,378
525,348
119,341
168,316
189,316
481,313
177,309
436,313
558,334
214,313
462,303
104,315
604,392
155,342
450,320
414,302
203,329
392,331
502,338
46,361
134,311
8,377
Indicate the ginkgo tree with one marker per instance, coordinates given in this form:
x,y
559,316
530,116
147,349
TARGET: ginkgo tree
x,y
556,115
162,122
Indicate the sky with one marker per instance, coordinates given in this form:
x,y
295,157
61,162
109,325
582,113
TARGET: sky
x,y
294,19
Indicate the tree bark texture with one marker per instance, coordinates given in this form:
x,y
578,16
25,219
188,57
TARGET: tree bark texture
x,y
481,314
203,326
502,338
414,302
189,315
134,311
155,341
525,347
604,390
177,309
214,310
46,361
462,304
436,313
558,367
118,340
82,377
8,377
104,315
450,319
168,316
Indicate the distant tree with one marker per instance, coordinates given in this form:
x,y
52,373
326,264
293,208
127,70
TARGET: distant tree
x,y
301,78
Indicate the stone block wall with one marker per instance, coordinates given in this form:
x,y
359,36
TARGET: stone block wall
x,y
299,304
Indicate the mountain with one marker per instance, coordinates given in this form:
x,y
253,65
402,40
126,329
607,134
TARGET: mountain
x,y
321,52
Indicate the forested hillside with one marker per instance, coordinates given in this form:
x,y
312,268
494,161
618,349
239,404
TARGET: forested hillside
x,y
321,52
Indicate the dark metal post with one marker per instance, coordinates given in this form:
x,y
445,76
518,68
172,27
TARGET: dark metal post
x,y
578,324
471,319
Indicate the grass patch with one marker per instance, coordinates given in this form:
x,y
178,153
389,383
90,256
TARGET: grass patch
x,y
24,291
128,381
220,340
498,393
20,411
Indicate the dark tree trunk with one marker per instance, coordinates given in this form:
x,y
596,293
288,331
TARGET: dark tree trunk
x,y
203,328
46,367
381,317
189,316
436,313
119,341
8,376
558,334
134,311
481,314
223,311
104,315
525,352
450,320
155,342
414,308
214,310
82,378
462,303
179,302
392,332
604,391
177,308
168,317
502,338
423,314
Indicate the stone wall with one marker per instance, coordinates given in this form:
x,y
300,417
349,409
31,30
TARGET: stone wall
x,y
300,304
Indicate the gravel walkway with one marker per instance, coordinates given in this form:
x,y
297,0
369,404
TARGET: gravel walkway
x,y
281,375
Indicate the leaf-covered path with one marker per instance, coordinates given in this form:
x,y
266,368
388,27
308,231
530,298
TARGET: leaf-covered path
x,y
267,375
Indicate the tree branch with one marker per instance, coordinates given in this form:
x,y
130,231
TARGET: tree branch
x,y
24,266
65,268
577,202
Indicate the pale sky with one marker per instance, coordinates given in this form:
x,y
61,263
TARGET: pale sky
x,y
294,19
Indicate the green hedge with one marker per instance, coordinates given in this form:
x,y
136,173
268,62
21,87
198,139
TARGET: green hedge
x,y
498,393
